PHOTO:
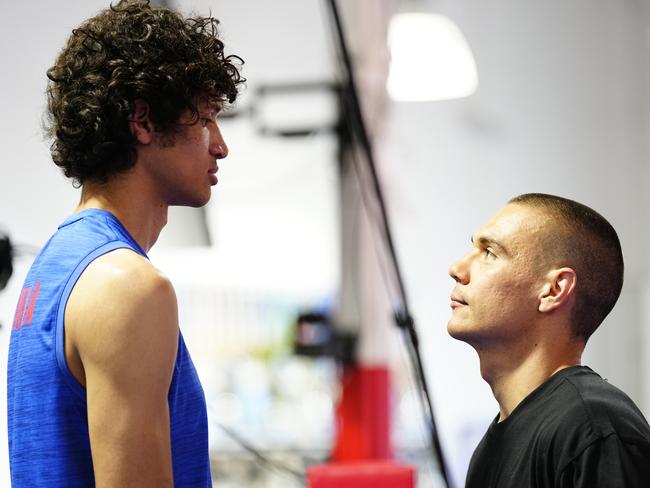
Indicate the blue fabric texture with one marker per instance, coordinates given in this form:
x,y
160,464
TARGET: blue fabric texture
x,y
47,412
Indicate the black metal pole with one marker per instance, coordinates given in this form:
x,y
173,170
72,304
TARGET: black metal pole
x,y
403,317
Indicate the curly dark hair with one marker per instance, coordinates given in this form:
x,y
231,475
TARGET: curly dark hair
x,y
127,52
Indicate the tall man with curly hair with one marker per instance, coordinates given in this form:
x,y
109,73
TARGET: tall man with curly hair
x,y
541,276
101,388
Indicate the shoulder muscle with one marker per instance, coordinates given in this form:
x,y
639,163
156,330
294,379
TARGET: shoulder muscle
x,y
121,312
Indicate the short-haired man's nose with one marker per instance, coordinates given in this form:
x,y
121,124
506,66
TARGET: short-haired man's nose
x,y
457,272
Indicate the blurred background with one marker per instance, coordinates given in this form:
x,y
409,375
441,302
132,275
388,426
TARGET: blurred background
x,y
562,106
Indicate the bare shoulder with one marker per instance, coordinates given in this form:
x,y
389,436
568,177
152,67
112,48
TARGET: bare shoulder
x,y
125,274
120,307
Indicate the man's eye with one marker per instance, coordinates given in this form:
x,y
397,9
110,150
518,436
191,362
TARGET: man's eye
x,y
489,254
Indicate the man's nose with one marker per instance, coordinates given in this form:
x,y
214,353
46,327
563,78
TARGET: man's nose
x,y
459,271
218,147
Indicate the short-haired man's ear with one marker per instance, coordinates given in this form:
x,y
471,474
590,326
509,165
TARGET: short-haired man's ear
x,y
558,289
140,124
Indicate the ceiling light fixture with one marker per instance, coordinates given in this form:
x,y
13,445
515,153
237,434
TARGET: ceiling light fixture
x,y
430,59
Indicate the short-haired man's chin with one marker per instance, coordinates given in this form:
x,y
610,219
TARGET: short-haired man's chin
x,y
454,331
458,332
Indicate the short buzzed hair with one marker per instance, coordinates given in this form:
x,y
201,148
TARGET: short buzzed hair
x,y
582,239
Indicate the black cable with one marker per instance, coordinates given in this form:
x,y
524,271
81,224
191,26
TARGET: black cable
x,y
403,317
264,461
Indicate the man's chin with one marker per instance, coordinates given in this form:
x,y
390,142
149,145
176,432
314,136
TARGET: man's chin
x,y
194,201
458,331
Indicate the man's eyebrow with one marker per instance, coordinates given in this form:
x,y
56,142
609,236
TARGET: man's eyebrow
x,y
211,109
486,241
212,106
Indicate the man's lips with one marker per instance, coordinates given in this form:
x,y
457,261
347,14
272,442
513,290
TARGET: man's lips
x,y
456,301
213,175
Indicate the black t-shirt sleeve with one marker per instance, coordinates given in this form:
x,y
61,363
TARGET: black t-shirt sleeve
x,y
609,463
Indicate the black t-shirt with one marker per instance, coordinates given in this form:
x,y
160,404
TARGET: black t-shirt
x,y
574,431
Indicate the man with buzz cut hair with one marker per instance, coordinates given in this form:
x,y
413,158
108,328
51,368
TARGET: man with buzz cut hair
x,y
101,387
541,276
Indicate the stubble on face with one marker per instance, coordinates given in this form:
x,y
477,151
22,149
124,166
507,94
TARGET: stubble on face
x,y
500,278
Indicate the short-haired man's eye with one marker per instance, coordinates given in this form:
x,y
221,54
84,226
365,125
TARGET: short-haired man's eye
x,y
489,254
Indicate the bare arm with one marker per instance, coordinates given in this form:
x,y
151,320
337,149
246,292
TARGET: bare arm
x,y
121,342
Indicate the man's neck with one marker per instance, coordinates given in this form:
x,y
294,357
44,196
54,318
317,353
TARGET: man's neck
x,y
136,206
512,378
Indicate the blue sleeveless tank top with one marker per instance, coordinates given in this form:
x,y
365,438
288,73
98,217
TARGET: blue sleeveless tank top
x,y
47,412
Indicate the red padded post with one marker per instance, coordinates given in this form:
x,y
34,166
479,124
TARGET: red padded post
x,y
363,415
363,474
362,451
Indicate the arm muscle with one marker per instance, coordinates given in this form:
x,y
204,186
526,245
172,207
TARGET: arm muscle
x,y
121,321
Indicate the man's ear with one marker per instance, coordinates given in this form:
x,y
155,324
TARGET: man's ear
x,y
140,123
558,290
